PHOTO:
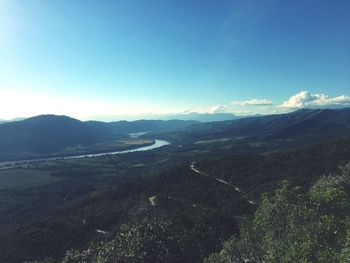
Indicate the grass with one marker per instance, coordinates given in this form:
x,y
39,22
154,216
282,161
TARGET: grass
x,y
19,179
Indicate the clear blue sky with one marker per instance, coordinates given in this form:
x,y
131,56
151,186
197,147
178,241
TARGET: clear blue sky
x,y
105,58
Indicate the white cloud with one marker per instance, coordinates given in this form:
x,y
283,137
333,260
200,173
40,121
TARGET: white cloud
x,y
219,109
252,102
306,99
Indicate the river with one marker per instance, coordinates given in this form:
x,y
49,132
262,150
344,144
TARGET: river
x,y
155,145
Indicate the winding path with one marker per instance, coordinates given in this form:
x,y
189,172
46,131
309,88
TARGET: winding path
x,y
194,169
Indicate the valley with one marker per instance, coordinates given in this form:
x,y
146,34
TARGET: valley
x,y
182,199
141,145
174,131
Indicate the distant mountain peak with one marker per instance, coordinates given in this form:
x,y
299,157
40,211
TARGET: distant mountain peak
x,y
203,117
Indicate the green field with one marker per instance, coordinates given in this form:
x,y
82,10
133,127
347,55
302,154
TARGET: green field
x,y
19,179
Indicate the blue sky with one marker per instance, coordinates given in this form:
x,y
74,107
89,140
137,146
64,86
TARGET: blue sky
x,y
115,59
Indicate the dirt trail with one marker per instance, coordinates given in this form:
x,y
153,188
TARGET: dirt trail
x,y
194,169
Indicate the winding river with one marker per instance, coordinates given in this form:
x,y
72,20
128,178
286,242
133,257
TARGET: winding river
x,y
155,145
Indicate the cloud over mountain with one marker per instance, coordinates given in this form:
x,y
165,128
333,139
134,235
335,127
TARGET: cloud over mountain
x,y
253,102
219,109
305,99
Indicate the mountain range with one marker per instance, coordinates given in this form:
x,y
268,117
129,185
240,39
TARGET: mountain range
x,y
49,134
300,123
188,116
204,117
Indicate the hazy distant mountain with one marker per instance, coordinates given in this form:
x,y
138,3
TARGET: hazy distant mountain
x,y
126,127
204,117
15,119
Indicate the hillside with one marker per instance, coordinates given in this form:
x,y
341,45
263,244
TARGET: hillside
x,y
297,124
47,133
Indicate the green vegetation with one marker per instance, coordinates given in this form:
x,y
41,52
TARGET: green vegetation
x,y
25,178
248,199
295,226
193,216
150,237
